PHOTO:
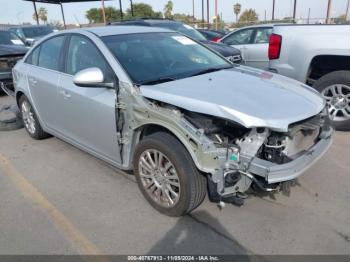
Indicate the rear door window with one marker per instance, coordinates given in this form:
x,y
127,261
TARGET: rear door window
x,y
33,57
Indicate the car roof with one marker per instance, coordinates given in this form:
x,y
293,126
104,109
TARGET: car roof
x,y
120,30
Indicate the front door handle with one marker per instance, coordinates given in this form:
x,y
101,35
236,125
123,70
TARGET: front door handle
x,y
65,94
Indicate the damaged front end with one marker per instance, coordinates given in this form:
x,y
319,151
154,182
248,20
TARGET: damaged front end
x,y
235,158
260,157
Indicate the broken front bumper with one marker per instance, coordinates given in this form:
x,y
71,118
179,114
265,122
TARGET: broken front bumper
x,y
274,173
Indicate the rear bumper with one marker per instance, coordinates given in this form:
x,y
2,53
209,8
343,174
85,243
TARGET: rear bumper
x,y
274,173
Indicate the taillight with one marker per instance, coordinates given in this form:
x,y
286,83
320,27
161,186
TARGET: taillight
x,y
275,46
215,39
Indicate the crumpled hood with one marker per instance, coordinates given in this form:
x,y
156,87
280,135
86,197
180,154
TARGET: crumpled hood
x,y
6,50
224,50
251,97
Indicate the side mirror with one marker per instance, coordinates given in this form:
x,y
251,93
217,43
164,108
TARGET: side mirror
x,y
91,77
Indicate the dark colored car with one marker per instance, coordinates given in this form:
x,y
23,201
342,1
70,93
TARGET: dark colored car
x,y
230,53
212,35
12,49
30,34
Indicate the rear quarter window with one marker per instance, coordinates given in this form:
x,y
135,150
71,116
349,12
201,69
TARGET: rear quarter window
x,y
33,57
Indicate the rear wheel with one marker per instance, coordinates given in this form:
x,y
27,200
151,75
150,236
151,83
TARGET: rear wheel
x,y
30,120
167,176
335,88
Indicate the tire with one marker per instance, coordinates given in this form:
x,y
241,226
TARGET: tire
x,y
192,184
335,87
14,123
35,131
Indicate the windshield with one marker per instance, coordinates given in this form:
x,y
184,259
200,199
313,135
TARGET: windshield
x,y
9,38
151,58
183,29
32,32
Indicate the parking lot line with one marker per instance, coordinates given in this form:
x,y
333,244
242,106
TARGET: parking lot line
x,y
78,239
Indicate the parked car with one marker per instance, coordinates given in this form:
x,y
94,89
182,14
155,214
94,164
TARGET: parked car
x,y
212,35
230,53
318,55
177,113
12,49
32,33
253,41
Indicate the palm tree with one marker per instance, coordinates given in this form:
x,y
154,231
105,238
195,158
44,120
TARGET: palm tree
x,y
42,14
237,9
168,9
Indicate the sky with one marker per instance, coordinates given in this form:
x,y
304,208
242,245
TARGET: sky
x,y
19,11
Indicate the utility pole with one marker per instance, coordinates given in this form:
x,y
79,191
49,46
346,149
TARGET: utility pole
x,y
347,11
273,10
193,11
121,9
64,19
295,11
103,12
132,8
308,16
329,8
36,13
203,12
265,15
216,14
208,19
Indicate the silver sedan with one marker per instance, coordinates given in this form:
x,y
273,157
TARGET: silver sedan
x,y
181,116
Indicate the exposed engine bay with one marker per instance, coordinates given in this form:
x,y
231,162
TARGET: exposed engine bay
x,y
243,145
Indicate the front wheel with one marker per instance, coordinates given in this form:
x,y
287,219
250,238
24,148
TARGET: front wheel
x,y
335,88
167,176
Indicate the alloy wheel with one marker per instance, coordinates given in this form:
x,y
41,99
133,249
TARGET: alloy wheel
x,y
159,178
338,101
28,117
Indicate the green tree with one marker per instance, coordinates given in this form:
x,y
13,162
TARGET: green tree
x,y
168,9
94,15
143,10
237,10
112,14
42,15
248,16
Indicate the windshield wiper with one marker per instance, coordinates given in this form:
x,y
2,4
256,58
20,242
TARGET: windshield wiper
x,y
210,70
158,81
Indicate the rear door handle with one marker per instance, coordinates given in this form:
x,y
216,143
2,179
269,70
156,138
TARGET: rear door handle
x,y
65,94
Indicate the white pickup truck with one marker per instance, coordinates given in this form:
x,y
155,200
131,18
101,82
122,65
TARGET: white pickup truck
x,y
318,55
